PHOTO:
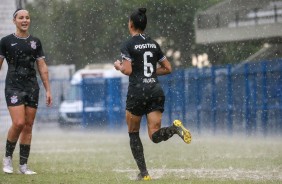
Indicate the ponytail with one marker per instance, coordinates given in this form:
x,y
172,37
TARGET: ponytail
x,y
139,18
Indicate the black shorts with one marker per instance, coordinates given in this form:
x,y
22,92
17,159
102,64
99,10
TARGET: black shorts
x,y
140,107
17,97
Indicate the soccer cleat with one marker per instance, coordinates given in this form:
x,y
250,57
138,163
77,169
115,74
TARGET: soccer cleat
x,y
23,169
147,177
8,165
182,131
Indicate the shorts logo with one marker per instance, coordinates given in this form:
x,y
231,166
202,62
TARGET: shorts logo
x,y
14,99
33,44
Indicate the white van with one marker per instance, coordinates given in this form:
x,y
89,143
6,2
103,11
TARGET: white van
x,y
71,108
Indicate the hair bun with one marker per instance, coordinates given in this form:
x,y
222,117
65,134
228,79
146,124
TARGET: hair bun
x,y
142,10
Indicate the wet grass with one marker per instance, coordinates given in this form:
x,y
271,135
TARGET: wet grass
x,y
78,156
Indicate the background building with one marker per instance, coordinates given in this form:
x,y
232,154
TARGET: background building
x,y
240,20
243,21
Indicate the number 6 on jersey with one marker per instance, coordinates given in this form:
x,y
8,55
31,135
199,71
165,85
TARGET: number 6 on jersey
x,y
148,67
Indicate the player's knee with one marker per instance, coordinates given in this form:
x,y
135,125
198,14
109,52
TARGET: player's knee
x,y
29,124
27,128
18,125
26,133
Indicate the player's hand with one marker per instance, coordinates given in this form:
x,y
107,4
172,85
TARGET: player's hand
x,y
48,99
117,64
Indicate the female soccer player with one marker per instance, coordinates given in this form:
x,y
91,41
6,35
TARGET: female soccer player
x,y
22,51
140,55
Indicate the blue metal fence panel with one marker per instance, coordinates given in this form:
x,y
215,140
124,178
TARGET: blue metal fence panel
x,y
229,100
94,100
115,112
102,102
59,89
242,98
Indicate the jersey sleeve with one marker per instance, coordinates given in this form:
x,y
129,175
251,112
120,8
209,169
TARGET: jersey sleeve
x,y
160,54
39,51
2,49
125,52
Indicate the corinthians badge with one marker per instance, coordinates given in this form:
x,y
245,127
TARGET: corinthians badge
x,y
14,99
33,44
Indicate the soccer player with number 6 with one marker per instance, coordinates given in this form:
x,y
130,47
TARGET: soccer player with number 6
x,y
140,55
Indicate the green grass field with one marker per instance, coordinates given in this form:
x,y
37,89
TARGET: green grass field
x,y
79,156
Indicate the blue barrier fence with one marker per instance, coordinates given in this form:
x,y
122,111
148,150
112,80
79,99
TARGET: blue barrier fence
x,y
243,98
102,102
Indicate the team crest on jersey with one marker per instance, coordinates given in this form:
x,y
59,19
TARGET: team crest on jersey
x,y
33,44
14,99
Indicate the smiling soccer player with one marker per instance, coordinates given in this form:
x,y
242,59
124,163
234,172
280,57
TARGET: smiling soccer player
x,y
22,51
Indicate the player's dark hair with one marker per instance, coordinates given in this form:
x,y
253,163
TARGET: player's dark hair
x,y
139,18
16,12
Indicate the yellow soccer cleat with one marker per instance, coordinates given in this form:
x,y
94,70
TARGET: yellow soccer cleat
x,y
182,131
143,178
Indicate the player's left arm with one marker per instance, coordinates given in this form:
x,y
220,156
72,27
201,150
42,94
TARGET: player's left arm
x,y
43,71
165,67
124,67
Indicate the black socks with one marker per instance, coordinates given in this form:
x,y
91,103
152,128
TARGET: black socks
x,y
137,152
10,147
24,153
163,134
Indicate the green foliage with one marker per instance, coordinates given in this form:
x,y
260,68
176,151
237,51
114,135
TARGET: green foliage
x,y
91,31
74,31
88,31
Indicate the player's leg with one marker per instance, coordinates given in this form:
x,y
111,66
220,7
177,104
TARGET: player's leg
x,y
17,114
154,118
25,140
26,134
133,123
156,133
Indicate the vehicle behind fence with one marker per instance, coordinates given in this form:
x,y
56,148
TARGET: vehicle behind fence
x,y
244,98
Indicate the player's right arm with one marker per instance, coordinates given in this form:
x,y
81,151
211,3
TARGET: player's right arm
x,y
2,51
165,66
1,62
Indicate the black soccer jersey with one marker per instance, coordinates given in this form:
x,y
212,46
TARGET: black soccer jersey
x,y
21,54
144,53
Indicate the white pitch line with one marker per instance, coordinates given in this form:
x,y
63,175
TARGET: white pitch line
x,y
57,150
235,174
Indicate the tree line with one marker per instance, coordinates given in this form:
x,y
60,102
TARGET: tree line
x,y
92,31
